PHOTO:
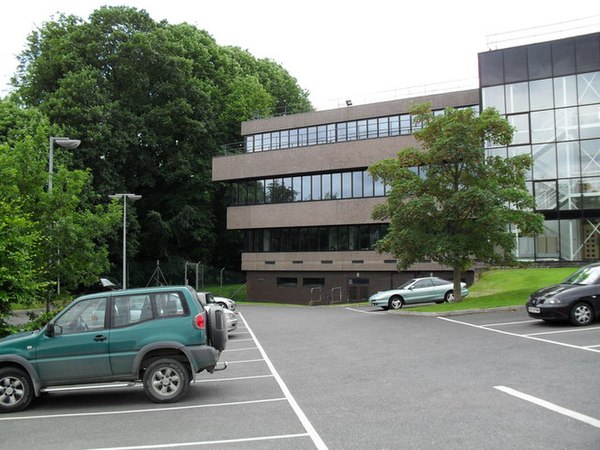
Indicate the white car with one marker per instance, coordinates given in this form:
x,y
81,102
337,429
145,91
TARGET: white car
x,y
225,302
231,319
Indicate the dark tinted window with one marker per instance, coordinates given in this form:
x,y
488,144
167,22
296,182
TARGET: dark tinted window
x,y
563,58
588,53
539,61
515,64
491,68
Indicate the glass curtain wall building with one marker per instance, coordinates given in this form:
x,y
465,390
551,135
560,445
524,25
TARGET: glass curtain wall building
x,y
550,92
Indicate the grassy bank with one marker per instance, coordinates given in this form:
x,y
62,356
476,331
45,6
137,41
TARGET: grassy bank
x,y
510,287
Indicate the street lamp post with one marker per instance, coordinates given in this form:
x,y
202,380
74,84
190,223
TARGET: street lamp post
x,y
70,144
132,197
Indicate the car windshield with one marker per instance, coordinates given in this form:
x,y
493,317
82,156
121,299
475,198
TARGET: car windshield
x,y
585,275
405,285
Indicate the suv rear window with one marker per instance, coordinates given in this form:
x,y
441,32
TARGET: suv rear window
x,y
130,309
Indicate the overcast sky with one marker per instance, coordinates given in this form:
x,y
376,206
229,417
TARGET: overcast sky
x,y
341,49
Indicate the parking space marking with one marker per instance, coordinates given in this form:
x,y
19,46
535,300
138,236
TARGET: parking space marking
x,y
142,411
246,361
216,380
508,323
292,401
224,441
364,312
533,338
573,330
551,406
239,349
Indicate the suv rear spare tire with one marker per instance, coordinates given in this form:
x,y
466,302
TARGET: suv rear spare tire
x,y
217,328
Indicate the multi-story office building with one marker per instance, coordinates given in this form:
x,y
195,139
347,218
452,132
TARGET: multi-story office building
x,y
303,197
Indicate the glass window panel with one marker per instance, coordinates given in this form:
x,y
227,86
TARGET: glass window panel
x,y
517,97
364,237
542,126
293,138
353,237
341,132
295,240
570,240
383,126
591,193
321,134
347,185
336,185
544,161
588,86
297,186
394,125
249,144
372,128
568,159
302,137
323,239
405,124
266,141
275,141
493,97
312,135
287,190
306,188
351,131
326,186
362,129
258,143
567,127
313,239
357,184
343,238
285,139
545,195
414,125
331,133
569,194
333,239
367,184
589,121
521,123
316,187
565,91
379,188
266,242
541,95
546,244
521,150
590,158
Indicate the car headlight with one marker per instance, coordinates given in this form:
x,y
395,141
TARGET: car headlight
x,y
552,301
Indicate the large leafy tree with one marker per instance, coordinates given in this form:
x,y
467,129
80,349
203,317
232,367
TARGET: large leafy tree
x,y
461,207
153,103
45,237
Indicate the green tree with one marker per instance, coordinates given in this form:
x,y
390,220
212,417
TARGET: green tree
x,y
153,103
463,205
45,237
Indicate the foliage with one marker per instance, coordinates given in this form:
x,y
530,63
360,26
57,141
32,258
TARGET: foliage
x,y
153,103
44,236
461,207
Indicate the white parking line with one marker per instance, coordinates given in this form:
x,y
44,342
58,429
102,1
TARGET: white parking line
x,y
364,312
508,323
225,441
246,361
301,416
572,330
551,406
141,411
216,380
239,349
533,338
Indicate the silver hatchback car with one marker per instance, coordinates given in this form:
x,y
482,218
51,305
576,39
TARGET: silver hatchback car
x,y
417,290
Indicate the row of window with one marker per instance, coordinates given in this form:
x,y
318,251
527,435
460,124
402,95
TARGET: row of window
x,y
326,186
396,125
311,239
306,282
549,93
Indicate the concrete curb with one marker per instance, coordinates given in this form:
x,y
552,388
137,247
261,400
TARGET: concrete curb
x,y
463,312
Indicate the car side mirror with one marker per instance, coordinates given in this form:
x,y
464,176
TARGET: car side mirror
x,y
50,330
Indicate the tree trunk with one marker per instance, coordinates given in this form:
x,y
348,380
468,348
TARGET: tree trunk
x,y
457,290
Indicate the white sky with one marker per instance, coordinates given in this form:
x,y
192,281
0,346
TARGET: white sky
x,y
341,49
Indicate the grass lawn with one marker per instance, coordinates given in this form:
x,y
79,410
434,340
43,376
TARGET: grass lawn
x,y
500,287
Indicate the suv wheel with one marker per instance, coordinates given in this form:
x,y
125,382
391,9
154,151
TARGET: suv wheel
x,y
166,381
16,390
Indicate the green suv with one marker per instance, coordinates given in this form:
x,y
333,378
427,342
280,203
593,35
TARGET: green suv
x,y
161,336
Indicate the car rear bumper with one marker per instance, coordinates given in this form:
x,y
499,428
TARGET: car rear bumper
x,y
204,357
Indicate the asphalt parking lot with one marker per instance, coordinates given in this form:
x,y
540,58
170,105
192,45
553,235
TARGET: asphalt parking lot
x,y
336,377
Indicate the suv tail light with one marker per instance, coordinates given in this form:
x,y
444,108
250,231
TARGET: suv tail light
x,y
200,321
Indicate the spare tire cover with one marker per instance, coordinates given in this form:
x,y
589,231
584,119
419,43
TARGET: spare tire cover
x,y
217,327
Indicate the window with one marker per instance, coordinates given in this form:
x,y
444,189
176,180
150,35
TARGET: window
x,y
493,97
521,123
170,304
129,309
287,282
565,91
316,187
541,95
588,87
313,282
87,315
341,132
517,97
542,126
567,127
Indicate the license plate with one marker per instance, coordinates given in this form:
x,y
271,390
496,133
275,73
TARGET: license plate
x,y
533,309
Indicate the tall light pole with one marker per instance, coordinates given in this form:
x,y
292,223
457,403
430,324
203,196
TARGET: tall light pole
x,y
133,197
71,144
